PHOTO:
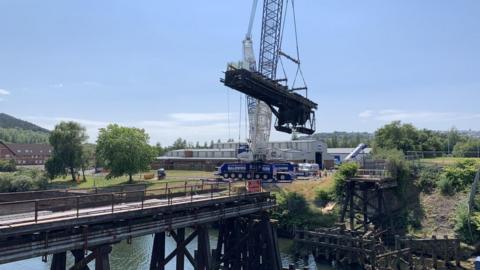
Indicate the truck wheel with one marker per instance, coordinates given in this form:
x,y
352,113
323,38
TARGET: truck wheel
x,y
225,175
257,176
249,176
240,175
282,177
232,175
265,177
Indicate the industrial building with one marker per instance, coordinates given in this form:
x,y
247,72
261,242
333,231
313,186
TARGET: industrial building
x,y
311,151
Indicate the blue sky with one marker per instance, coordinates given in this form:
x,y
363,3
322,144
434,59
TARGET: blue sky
x,y
156,64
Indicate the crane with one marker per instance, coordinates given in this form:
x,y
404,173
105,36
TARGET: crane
x,y
266,94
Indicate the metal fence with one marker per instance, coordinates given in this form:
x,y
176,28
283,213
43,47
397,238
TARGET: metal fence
x,y
101,202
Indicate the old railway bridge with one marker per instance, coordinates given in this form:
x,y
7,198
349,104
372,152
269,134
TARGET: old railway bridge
x,y
85,223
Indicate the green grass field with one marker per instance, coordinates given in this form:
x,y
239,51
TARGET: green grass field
x,y
101,181
444,161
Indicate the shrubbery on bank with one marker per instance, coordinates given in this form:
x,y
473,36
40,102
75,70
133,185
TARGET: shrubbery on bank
x,y
293,211
23,180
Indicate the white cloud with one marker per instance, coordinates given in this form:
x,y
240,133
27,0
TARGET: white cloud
x,y
192,127
365,114
4,92
92,83
57,85
197,117
416,116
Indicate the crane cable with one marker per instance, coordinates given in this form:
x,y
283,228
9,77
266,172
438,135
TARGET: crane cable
x,y
281,40
299,68
240,120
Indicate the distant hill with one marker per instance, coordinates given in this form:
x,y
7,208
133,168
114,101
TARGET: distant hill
x,y
8,121
14,130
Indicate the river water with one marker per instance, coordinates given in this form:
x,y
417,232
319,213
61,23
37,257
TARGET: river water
x,y
136,256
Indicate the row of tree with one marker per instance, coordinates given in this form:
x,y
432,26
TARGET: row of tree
x,y
183,144
17,135
408,138
120,150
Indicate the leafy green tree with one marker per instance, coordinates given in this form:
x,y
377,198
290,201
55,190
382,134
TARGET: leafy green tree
x,y
179,144
159,150
66,139
17,135
124,150
453,137
88,158
469,148
397,136
7,165
345,171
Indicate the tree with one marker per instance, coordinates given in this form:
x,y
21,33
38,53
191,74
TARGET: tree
x,y
469,148
159,150
124,150
179,144
66,139
88,158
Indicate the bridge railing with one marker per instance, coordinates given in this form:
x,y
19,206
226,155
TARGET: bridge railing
x,y
373,173
68,207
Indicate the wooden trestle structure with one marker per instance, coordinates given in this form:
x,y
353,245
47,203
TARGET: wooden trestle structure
x,y
367,250
366,235
364,202
88,225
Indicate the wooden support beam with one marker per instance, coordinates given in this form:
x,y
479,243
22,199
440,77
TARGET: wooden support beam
x,y
101,256
59,261
102,260
79,255
179,238
158,252
204,261
272,245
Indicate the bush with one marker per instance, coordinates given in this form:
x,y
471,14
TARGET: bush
x,y
457,177
468,228
446,186
428,178
22,181
294,211
323,197
7,165
345,171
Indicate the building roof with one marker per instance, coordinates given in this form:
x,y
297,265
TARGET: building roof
x,y
30,149
195,158
346,150
204,150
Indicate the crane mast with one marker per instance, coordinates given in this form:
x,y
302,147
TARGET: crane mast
x,y
267,96
259,113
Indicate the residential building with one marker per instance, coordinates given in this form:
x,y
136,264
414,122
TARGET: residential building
x,y
25,154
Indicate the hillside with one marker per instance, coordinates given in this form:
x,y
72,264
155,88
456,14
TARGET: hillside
x,y
15,130
7,121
